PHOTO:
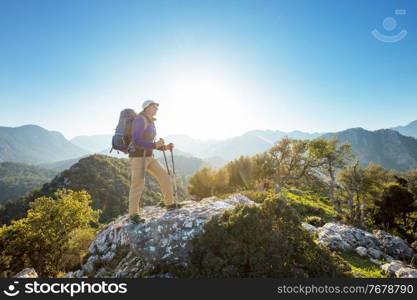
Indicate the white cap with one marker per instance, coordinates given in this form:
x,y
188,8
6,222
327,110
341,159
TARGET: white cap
x,y
147,103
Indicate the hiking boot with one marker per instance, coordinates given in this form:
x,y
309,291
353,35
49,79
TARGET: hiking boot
x,y
136,219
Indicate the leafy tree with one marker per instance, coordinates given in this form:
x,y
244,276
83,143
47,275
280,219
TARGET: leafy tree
x,y
200,183
77,249
330,157
286,163
235,176
361,187
411,177
42,238
396,201
240,173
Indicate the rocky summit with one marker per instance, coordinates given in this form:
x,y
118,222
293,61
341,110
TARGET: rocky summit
x,y
125,249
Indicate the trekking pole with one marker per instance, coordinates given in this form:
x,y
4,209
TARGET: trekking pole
x,y
143,164
170,146
166,162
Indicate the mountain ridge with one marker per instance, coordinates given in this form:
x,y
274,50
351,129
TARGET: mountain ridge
x,y
34,144
386,147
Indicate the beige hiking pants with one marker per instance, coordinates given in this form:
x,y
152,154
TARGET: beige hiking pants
x,y
154,167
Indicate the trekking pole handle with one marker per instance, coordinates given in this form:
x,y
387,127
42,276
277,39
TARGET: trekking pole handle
x,y
170,146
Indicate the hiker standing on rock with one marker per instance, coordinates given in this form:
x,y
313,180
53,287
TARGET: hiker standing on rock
x,y
142,158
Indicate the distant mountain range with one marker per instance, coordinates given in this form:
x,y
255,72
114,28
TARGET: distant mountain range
x,y
392,148
407,130
250,143
386,147
34,144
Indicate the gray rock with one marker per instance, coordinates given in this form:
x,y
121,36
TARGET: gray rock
x,y
108,256
123,249
89,266
310,228
399,269
361,251
340,236
392,267
388,258
101,273
394,246
376,261
165,275
406,272
375,253
27,273
76,274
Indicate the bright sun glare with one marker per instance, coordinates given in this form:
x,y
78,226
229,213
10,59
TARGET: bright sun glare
x,y
210,103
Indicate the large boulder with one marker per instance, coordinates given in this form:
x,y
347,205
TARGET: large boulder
x,y
27,273
378,244
394,245
341,236
124,249
397,268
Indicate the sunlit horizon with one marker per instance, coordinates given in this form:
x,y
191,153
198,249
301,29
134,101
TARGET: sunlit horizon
x,y
218,69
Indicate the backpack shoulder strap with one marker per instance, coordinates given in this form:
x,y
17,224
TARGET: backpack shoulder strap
x,y
146,122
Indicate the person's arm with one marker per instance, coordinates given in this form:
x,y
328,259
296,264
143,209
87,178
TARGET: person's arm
x,y
138,128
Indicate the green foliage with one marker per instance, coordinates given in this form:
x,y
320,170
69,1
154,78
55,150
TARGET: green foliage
x,y
361,266
288,162
361,187
396,201
330,157
17,179
309,203
414,245
237,175
48,233
261,241
315,221
411,177
240,173
105,178
258,196
77,249
200,183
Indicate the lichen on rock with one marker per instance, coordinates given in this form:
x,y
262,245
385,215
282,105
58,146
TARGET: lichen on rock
x,y
124,249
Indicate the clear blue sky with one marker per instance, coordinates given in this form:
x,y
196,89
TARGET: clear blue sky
x,y
218,68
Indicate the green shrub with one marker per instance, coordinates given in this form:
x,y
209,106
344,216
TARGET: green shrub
x,y
311,204
44,240
77,248
261,241
256,196
414,245
361,267
315,221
